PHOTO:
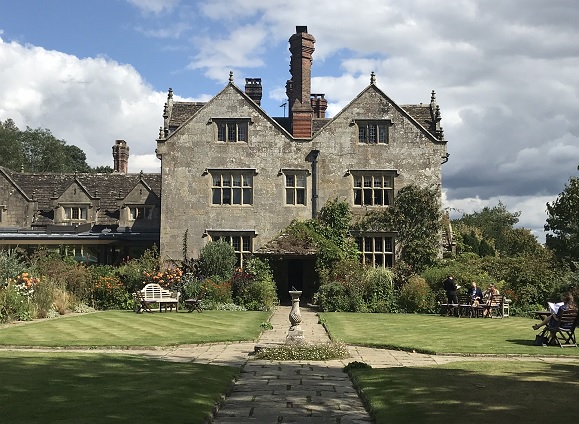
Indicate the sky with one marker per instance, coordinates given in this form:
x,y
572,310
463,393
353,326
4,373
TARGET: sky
x,y
505,73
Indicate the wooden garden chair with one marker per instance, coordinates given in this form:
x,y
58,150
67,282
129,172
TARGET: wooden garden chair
x,y
564,334
141,304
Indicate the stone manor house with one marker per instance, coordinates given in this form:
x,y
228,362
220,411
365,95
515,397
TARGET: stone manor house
x,y
231,172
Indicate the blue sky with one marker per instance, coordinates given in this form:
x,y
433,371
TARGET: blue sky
x,y
505,74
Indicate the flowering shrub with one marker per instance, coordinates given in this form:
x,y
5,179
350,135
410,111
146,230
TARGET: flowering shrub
x,y
304,352
169,279
16,298
109,292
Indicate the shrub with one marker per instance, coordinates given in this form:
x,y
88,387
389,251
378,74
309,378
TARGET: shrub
x,y
14,303
110,293
62,270
255,288
43,299
332,297
416,296
132,272
216,291
217,258
11,264
380,294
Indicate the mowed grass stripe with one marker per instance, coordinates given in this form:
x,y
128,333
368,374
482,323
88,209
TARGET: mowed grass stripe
x,y
471,392
437,334
71,388
125,328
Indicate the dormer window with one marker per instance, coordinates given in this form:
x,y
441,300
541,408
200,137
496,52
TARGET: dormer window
x,y
140,212
75,213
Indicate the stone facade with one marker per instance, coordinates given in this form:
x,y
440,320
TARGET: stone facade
x,y
372,141
101,217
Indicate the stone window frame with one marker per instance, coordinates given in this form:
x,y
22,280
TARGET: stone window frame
x,y
295,192
140,212
231,130
69,212
240,240
373,188
373,131
226,194
377,249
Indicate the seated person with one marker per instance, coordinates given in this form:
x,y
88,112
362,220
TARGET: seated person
x,y
475,294
488,297
552,320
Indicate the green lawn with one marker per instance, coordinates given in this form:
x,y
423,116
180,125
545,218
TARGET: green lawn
x,y
73,388
125,328
438,334
473,392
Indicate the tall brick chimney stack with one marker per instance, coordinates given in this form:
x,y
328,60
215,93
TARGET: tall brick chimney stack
x,y
298,89
121,157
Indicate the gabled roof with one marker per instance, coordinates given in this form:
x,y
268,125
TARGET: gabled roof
x,y
181,111
108,188
186,111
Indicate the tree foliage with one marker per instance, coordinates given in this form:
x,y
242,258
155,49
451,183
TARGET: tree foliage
x,y
490,231
563,222
415,215
37,150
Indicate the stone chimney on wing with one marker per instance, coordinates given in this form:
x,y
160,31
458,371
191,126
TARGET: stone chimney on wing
x,y
253,89
121,157
298,88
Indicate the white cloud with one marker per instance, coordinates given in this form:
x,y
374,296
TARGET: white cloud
x,y
86,102
154,6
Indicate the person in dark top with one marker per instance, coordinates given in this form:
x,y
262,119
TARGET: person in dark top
x,y
475,293
450,287
552,320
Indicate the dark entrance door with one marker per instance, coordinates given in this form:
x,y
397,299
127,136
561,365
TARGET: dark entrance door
x,y
295,274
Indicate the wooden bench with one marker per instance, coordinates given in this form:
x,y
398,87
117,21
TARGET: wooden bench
x,y
497,306
154,293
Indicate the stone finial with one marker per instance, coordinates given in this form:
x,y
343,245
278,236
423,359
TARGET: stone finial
x,y
230,77
161,132
170,94
166,111
372,78
437,115
433,97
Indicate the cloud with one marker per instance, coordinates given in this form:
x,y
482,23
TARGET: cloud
x,y
505,75
86,102
154,6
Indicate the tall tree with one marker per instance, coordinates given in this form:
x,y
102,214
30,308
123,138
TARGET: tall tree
x,y
37,150
495,225
11,151
563,223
